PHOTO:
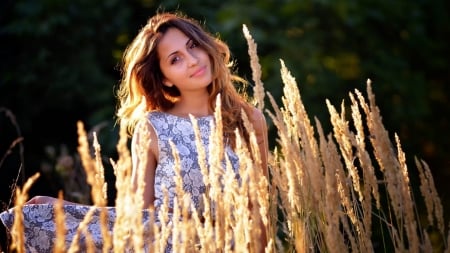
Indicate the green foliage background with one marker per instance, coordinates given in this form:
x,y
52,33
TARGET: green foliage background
x,y
59,64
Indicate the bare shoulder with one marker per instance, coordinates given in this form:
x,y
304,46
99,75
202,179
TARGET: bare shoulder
x,y
144,135
142,129
258,120
260,127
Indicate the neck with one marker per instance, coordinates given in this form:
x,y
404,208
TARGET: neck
x,y
195,104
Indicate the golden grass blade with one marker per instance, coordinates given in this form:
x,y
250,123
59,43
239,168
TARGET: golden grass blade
x,y
430,196
88,163
368,171
333,213
17,229
258,89
60,243
410,221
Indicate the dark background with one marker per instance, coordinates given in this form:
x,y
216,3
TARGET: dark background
x,y
59,65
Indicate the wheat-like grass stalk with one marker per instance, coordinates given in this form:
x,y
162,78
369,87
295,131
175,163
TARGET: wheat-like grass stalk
x,y
17,229
127,214
60,226
333,212
435,213
258,89
96,178
346,140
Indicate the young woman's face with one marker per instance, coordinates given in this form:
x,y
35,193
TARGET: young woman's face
x,y
183,63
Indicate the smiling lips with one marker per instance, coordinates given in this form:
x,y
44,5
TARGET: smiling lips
x,y
199,72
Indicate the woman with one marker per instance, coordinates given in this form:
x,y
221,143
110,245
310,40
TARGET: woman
x,y
174,70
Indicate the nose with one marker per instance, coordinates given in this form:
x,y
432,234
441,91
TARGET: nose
x,y
192,59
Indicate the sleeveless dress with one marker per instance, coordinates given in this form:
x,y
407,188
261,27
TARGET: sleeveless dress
x,y
179,131
39,226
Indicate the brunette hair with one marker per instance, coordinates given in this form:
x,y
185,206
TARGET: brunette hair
x,y
141,88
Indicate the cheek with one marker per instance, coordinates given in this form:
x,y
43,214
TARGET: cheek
x,y
206,56
168,70
173,74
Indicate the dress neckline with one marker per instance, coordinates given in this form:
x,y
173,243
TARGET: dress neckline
x,y
185,117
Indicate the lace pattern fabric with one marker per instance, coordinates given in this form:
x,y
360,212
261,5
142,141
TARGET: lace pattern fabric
x,y
39,226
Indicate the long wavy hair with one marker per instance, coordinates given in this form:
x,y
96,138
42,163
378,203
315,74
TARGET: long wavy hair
x,y
141,89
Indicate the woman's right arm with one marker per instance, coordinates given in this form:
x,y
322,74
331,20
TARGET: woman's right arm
x,y
144,153
144,149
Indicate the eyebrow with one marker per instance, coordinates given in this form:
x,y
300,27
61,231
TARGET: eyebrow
x,y
187,43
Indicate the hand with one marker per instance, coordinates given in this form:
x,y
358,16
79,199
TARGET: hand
x,y
41,200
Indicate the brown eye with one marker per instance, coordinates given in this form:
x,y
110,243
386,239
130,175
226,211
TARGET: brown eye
x,y
174,60
194,45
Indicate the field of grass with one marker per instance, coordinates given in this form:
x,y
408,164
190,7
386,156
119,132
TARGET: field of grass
x,y
344,191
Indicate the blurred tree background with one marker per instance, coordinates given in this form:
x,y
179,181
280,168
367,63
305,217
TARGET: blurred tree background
x,y
60,64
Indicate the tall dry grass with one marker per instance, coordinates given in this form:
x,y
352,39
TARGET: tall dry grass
x,y
326,192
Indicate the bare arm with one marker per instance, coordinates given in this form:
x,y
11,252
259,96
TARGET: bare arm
x,y
144,152
260,127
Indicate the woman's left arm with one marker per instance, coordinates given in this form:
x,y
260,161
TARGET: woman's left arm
x,y
260,127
